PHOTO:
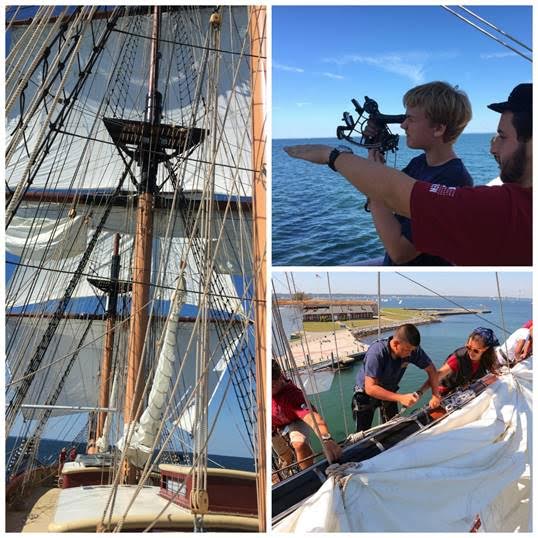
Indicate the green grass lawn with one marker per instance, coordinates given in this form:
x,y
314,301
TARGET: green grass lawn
x,y
388,315
400,313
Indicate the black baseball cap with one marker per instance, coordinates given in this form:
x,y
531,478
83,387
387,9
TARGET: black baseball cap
x,y
519,100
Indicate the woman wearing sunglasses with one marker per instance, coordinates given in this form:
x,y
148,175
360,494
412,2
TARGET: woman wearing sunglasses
x,y
470,362
467,363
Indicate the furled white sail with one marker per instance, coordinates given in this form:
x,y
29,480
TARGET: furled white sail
x,y
475,462
139,445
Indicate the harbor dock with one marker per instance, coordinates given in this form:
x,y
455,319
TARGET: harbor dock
x,y
343,346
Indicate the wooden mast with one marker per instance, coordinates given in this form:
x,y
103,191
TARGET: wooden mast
x,y
257,22
142,246
104,387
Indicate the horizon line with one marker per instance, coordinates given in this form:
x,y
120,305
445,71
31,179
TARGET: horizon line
x,y
334,136
413,295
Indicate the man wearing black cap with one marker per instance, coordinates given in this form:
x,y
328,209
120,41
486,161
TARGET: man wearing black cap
x,y
512,147
467,225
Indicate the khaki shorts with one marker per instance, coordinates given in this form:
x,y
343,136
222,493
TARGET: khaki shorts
x,y
298,432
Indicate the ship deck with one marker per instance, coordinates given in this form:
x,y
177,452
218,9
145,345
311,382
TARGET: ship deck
x,y
35,513
81,509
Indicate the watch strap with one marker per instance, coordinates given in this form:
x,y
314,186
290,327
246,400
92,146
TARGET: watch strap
x,y
332,157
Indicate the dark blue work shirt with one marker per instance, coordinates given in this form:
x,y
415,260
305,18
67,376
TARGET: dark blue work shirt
x,y
386,369
452,174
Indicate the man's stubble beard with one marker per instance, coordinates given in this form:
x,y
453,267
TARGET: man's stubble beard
x,y
513,169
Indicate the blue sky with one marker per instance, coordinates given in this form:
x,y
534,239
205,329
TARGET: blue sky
x,y
473,284
324,56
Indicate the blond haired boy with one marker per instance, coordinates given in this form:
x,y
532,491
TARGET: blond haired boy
x,y
436,114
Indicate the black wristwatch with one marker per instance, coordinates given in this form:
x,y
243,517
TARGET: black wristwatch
x,y
335,153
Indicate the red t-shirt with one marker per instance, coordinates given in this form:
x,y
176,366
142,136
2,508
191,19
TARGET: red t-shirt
x,y
452,361
473,225
288,405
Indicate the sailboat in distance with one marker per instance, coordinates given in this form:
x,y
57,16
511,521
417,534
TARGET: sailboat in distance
x,y
135,208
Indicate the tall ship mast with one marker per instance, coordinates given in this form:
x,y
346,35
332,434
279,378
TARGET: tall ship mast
x,y
133,301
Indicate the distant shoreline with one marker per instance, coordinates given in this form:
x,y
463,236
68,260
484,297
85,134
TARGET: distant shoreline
x,y
402,296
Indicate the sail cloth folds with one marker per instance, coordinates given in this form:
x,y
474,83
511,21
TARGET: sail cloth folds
x,y
140,446
52,240
475,462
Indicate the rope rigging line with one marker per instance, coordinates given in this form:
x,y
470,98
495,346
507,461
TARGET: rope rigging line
x,y
72,42
489,322
221,227
495,28
490,35
36,359
39,428
30,39
43,145
27,73
172,42
341,389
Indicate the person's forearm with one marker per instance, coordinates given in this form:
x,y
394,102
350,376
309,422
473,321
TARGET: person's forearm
x,y
399,248
378,182
433,379
314,420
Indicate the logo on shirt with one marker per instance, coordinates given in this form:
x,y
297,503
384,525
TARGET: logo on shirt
x,y
304,406
443,190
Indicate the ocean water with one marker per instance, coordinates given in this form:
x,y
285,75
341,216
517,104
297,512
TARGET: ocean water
x,y
438,340
49,451
318,217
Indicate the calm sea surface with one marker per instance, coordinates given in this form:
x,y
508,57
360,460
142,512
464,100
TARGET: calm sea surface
x,y
318,217
49,451
437,339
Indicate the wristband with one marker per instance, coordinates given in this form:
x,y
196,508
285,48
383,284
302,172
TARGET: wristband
x,y
335,153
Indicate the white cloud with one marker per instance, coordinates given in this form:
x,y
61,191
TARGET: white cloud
x,y
283,67
494,55
332,75
300,105
408,65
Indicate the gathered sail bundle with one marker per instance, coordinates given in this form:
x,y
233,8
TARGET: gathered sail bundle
x,y
476,462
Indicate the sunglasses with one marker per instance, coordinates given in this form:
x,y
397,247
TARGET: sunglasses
x,y
474,350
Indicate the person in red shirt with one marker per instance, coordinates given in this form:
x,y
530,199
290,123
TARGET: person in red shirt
x,y
289,409
464,225
468,363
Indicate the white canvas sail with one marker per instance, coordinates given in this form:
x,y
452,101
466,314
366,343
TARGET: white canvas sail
x,y
88,160
475,462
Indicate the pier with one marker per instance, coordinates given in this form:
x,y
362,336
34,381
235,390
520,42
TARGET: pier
x,y
342,346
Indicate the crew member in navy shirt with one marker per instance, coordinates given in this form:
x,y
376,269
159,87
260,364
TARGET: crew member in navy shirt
x,y
378,380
